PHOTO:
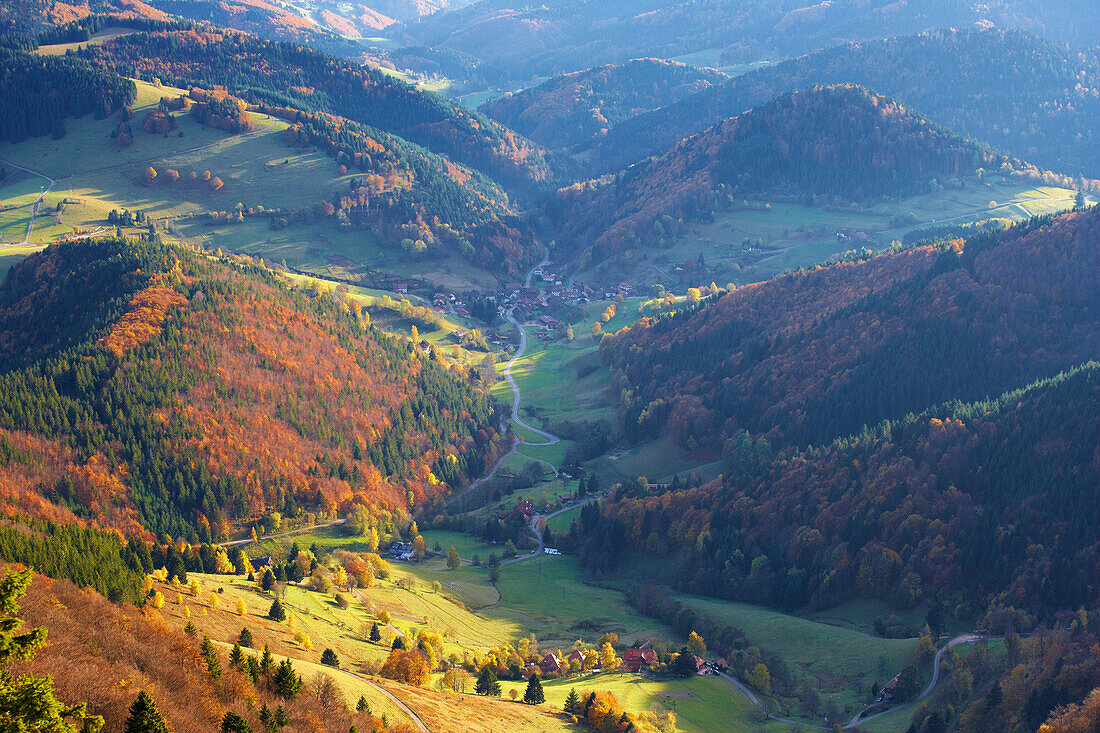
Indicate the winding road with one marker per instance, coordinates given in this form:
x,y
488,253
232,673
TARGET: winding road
x,y
38,202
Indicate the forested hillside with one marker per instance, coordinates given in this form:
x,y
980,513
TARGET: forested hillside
x,y
152,386
296,76
821,144
1031,97
979,507
41,92
567,35
814,355
577,108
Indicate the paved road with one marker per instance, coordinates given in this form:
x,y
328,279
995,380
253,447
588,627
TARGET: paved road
x,y
548,438
859,719
38,202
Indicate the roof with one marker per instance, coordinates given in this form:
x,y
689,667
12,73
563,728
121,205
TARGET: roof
x,y
642,655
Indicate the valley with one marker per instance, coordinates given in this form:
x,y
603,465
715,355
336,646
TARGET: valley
x,y
428,366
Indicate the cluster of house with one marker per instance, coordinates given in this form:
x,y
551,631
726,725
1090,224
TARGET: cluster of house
x,y
633,660
402,551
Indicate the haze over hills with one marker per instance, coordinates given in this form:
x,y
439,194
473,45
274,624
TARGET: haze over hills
x,y
568,35
328,403
1028,96
577,108
841,142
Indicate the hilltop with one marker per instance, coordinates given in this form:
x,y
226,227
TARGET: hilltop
x,y
288,75
180,393
567,35
814,355
1028,96
838,143
575,109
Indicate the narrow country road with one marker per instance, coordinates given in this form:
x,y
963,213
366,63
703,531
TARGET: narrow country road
x,y
38,201
859,719
548,438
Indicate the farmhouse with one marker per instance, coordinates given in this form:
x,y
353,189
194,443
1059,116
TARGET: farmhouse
x,y
550,664
634,660
402,288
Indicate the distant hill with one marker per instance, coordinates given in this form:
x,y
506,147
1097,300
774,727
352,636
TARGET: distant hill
x,y
1030,97
574,109
290,75
146,386
820,144
813,356
558,36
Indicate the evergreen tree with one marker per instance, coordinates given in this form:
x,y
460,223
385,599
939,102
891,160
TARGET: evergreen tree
x,y
267,720
534,695
487,683
684,665
276,613
375,634
210,655
398,642
267,662
144,716
233,723
362,706
572,701
267,582
286,681
329,658
245,638
236,656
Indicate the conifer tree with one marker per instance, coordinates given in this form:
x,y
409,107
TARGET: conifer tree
x,y
144,716
572,701
375,634
534,695
362,706
233,723
210,655
276,613
286,681
329,658
487,683
236,656
246,638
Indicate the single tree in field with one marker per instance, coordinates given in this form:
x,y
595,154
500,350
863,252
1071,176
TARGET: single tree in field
x,y
245,638
453,560
375,635
233,723
329,658
144,716
276,612
513,693
509,549
487,683
158,600
696,645
362,706
267,580
534,695
572,701
242,609
684,664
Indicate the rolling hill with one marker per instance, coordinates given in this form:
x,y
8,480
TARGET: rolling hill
x,y
287,75
1028,96
568,35
574,109
837,143
813,356
147,386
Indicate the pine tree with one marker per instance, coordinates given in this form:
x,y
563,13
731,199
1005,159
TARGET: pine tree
x,y
236,656
534,695
276,613
287,682
329,658
398,642
267,662
487,683
233,723
210,655
144,716
246,638
268,580
375,634
572,701
362,706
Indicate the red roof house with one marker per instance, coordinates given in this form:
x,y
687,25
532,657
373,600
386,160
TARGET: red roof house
x,y
635,659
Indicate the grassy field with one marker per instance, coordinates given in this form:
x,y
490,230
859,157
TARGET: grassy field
x,y
841,663
793,235
11,254
104,35
702,704
94,177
